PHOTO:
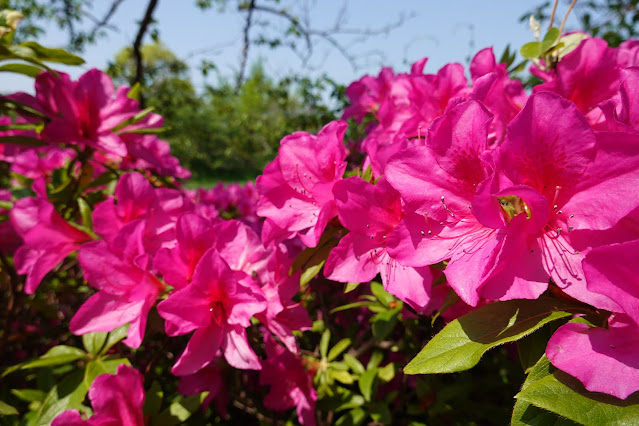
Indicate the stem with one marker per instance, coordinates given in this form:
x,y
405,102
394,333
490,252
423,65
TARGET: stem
x,y
552,15
563,22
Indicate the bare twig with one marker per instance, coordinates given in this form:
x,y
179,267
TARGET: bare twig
x,y
552,15
137,53
563,22
310,35
104,22
245,47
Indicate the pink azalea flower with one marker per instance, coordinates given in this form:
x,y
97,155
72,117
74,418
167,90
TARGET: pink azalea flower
x,y
282,315
291,384
518,230
135,198
48,239
127,290
150,153
603,359
371,212
195,235
84,112
627,117
586,76
438,183
208,379
296,187
218,305
504,97
116,399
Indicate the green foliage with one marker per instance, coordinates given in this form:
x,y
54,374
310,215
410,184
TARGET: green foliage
x,y
461,344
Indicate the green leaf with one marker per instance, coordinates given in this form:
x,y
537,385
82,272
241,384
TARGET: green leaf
x,y
67,395
7,410
29,395
309,273
354,364
114,337
86,214
383,323
324,341
354,417
350,287
386,373
366,382
565,396
376,359
311,260
22,140
153,400
382,295
461,344
338,349
342,376
352,305
550,39
7,205
532,347
52,55
93,342
134,93
132,120
531,50
180,410
527,414
25,69
57,355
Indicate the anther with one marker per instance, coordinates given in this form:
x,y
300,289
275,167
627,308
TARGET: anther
x,y
422,232
570,228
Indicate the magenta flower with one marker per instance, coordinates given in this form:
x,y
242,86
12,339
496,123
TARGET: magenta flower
x,y
116,399
291,384
135,198
603,359
127,290
501,95
586,76
521,232
84,112
296,187
371,212
282,315
195,235
438,183
208,379
218,305
48,239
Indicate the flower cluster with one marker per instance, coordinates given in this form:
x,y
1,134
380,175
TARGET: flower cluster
x,y
513,196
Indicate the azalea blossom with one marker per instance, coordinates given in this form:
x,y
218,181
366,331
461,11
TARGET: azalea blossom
x,y
47,238
116,399
291,383
127,290
371,212
217,305
296,187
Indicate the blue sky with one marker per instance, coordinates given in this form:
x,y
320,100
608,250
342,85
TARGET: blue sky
x,y
444,31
